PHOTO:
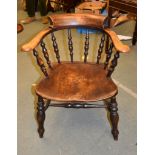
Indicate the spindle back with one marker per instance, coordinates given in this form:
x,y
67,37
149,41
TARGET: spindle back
x,y
69,21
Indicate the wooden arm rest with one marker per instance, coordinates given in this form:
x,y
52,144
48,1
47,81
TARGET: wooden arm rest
x,y
120,47
35,41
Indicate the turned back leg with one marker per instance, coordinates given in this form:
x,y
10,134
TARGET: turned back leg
x,y
40,116
114,117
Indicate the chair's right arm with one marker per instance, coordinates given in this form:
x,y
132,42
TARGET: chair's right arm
x,y
32,44
119,46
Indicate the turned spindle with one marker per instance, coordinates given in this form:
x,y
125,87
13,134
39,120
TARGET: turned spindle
x,y
108,55
40,62
113,64
86,46
100,50
46,55
55,46
70,44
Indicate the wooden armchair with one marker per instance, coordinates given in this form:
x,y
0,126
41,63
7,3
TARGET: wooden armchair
x,y
75,83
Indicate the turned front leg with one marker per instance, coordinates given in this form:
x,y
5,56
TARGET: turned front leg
x,y
114,117
40,116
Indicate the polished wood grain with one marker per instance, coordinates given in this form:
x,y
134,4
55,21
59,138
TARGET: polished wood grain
x,y
61,21
35,41
70,20
120,47
77,82
72,82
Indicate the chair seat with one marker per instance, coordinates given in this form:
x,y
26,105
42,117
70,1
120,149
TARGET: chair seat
x,y
76,82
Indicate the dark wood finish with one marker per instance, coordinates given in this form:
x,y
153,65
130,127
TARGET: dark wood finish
x,y
44,50
76,83
70,20
86,48
106,49
114,117
40,116
55,46
113,64
108,55
70,44
40,62
100,50
78,105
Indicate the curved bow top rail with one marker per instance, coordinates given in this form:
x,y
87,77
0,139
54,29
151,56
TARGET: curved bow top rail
x,y
61,21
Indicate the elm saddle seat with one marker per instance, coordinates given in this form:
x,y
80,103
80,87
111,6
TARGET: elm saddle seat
x,y
77,82
74,83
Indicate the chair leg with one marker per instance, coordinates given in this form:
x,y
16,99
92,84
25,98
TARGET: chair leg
x,y
114,117
40,116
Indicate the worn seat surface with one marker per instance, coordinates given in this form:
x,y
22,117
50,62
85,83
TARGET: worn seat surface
x,y
76,82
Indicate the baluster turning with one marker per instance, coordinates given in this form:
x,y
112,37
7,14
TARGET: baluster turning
x,y
108,55
113,64
55,46
100,50
70,44
86,46
40,62
44,50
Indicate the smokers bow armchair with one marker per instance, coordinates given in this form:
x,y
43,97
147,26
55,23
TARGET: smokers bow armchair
x,y
75,84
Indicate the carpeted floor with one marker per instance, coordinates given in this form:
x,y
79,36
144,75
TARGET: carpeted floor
x,y
76,131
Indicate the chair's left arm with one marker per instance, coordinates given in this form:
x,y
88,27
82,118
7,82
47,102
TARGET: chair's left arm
x,y
32,44
119,46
